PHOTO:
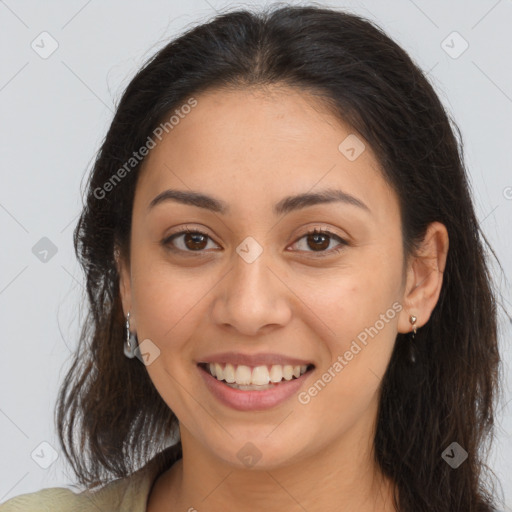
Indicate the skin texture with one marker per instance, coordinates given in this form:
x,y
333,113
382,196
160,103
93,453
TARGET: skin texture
x,y
250,148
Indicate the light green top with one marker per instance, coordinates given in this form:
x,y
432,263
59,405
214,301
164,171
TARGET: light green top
x,y
128,494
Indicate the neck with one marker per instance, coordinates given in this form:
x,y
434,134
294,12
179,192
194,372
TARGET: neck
x,y
342,478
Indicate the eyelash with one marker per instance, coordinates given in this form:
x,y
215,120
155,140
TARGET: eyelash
x,y
319,254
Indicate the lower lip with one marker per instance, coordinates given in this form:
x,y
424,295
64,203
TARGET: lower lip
x,y
252,400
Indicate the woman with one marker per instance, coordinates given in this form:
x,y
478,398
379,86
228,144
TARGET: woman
x,y
279,237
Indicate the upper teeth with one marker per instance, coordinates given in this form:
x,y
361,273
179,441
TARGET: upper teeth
x,y
259,375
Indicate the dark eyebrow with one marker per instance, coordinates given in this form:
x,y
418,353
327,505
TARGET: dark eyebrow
x,y
190,198
330,195
286,205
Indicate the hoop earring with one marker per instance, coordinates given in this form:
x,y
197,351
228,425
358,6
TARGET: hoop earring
x,y
131,343
412,349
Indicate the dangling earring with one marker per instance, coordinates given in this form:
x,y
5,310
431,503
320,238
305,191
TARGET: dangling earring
x,y
131,340
412,348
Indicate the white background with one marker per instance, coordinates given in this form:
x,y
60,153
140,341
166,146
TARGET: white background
x,y
55,113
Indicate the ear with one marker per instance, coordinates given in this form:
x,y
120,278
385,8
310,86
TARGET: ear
x,y
123,270
424,278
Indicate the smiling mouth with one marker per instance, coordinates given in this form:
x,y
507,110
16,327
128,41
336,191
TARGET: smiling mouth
x,y
254,378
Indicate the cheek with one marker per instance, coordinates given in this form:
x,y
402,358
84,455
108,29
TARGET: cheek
x,y
356,321
358,354
171,302
156,297
349,300
168,308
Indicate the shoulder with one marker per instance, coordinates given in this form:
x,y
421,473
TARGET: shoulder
x,y
57,499
123,495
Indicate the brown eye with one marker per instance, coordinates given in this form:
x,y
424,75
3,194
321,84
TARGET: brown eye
x,y
319,240
187,241
194,240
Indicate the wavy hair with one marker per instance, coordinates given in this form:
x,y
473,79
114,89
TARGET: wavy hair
x,y
110,417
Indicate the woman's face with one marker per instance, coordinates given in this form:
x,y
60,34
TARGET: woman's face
x,y
255,283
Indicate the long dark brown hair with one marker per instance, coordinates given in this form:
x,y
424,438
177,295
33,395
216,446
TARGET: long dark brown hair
x,y
111,420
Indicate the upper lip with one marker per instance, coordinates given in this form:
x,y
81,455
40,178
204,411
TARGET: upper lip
x,y
264,359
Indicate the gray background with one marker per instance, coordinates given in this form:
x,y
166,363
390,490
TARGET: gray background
x,y
55,110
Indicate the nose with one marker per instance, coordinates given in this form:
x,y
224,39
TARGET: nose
x,y
252,298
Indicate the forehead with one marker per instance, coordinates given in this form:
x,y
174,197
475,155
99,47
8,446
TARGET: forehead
x,y
253,146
